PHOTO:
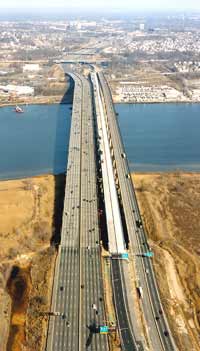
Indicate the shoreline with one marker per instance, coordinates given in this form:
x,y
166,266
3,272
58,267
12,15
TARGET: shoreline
x,y
26,104
32,176
141,173
20,103
155,102
165,172
48,101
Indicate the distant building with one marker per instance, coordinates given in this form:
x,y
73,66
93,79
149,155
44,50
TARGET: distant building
x,y
90,24
142,27
31,67
79,26
17,89
3,73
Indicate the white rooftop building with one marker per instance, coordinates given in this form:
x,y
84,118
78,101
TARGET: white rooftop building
x,y
31,67
17,89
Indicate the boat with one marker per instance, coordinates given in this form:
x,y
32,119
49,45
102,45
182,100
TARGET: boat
x,y
18,109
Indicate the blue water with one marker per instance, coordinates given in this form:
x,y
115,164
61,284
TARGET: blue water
x,y
161,137
35,142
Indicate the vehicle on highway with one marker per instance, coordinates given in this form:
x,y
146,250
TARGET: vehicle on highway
x,y
56,313
138,223
166,333
140,292
94,306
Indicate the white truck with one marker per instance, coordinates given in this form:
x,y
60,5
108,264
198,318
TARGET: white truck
x,y
140,292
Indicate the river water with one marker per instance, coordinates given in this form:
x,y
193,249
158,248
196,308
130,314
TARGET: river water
x,y
157,137
161,137
35,142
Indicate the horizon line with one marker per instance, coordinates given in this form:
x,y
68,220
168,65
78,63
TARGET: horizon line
x,y
88,8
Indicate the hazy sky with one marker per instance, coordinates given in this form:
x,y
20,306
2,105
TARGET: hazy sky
x,y
133,4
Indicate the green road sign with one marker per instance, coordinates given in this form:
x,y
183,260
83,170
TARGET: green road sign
x,y
148,254
124,256
104,329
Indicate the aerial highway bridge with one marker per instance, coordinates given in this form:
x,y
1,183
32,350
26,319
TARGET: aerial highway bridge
x,y
78,306
156,323
77,300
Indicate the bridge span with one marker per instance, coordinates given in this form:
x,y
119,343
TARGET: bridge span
x,y
130,339
77,301
157,326
78,296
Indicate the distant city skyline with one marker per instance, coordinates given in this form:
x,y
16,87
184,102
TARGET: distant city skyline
x,y
102,4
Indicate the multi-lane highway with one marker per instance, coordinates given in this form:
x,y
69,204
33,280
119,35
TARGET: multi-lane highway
x,y
157,326
78,297
77,301
116,241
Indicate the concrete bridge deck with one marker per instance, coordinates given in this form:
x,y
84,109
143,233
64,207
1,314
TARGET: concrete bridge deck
x,y
78,281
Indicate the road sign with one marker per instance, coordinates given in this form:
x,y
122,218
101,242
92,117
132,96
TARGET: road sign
x,y
148,254
124,256
104,329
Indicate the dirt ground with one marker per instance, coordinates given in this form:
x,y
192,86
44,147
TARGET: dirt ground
x,y
170,206
27,221
51,89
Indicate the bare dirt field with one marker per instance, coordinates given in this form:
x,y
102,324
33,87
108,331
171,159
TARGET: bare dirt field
x,y
27,226
170,206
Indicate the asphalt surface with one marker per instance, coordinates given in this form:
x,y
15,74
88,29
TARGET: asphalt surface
x,y
114,228
78,280
128,341
151,304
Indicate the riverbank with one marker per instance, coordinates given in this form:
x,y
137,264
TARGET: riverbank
x,y
50,86
116,101
170,207
30,218
35,101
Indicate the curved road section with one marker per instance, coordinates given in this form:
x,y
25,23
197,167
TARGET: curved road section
x,y
77,301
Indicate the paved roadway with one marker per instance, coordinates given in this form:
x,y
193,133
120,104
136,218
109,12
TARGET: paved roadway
x,y
78,280
116,240
128,338
151,303
114,228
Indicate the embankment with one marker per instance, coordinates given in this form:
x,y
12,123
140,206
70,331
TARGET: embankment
x,y
30,219
170,207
